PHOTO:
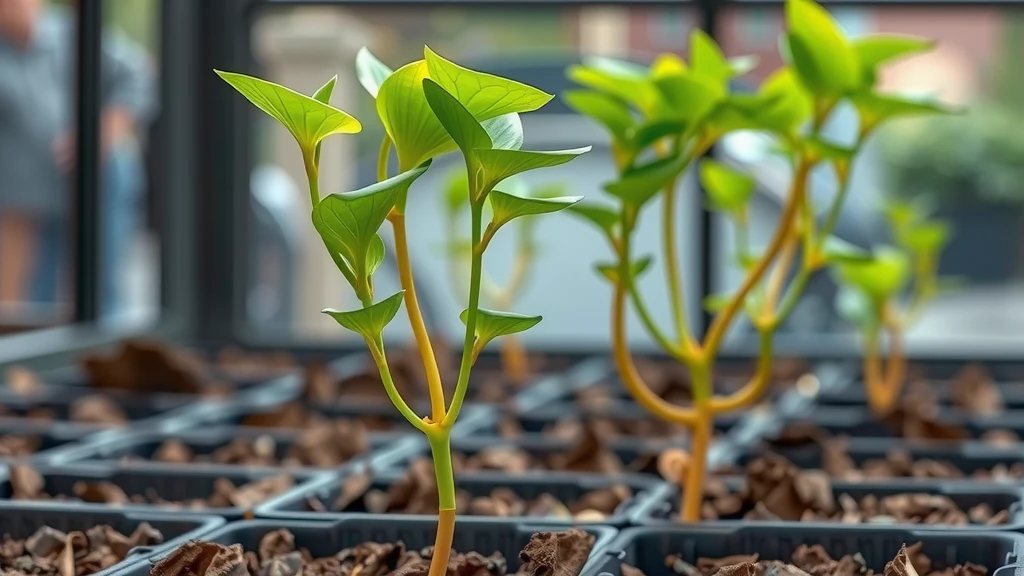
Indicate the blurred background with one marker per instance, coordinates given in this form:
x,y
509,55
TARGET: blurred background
x,y
135,189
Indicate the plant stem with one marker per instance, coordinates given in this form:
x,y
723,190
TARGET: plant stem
x,y
723,319
693,483
675,287
440,450
382,158
779,273
883,391
836,208
313,176
757,385
419,327
476,269
380,359
652,327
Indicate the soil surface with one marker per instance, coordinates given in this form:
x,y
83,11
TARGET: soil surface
x,y
50,552
302,416
775,489
547,554
28,484
416,493
813,561
19,445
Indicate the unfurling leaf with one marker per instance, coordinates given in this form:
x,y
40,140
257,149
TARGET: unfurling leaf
x,y
308,119
499,164
506,207
881,277
637,186
369,322
609,111
456,119
348,222
728,190
611,270
821,53
491,324
484,95
370,71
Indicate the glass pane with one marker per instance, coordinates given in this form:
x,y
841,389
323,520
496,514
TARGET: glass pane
x,y
129,255
968,164
37,155
290,277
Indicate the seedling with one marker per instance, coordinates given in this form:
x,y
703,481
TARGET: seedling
x,y
870,291
428,108
514,360
665,117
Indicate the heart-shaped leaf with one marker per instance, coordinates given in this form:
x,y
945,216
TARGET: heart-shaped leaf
x,y
484,95
836,249
728,190
491,324
605,218
402,106
348,222
821,53
370,71
499,164
611,270
308,119
323,95
457,121
507,207
370,321
876,49
609,111
881,277
505,131
637,186
707,59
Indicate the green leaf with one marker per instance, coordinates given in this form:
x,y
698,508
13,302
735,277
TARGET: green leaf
x,y
637,90
374,255
370,321
856,307
491,324
820,51
881,277
876,49
637,186
457,121
690,97
707,59
821,149
925,238
836,249
616,67
323,95
667,64
655,130
501,164
877,108
611,270
402,106
728,190
348,222
484,95
792,106
605,218
370,71
507,207
609,111
505,131
308,119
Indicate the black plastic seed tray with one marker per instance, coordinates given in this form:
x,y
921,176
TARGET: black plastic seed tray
x,y
176,485
21,521
663,508
566,488
968,457
646,548
45,440
322,539
540,419
854,395
138,448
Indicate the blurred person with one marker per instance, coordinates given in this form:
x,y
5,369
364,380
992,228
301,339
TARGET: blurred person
x,y
38,144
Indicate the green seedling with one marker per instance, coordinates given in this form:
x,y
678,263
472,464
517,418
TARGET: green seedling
x,y
428,108
662,119
514,360
871,290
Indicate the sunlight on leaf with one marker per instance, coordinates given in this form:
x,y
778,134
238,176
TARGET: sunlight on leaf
x,y
402,106
505,131
457,121
484,95
820,51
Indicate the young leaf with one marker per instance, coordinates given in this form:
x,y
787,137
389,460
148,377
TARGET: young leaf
x,y
637,90
370,321
639,185
308,119
838,250
349,221
370,71
606,219
876,49
707,59
925,238
667,64
655,130
608,111
457,121
501,164
728,190
374,255
505,131
820,51
881,277
611,270
323,95
403,109
690,97
484,95
491,324
506,207
792,107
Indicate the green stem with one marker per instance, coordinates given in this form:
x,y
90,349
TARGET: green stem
x,y
382,158
835,209
791,297
675,288
441,453
380,358
649,323
476,268
313,175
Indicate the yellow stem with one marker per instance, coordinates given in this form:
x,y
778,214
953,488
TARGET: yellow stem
x,y
693,478
780,272
443,543
883,390
419,327
723,319
756,386
675,287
